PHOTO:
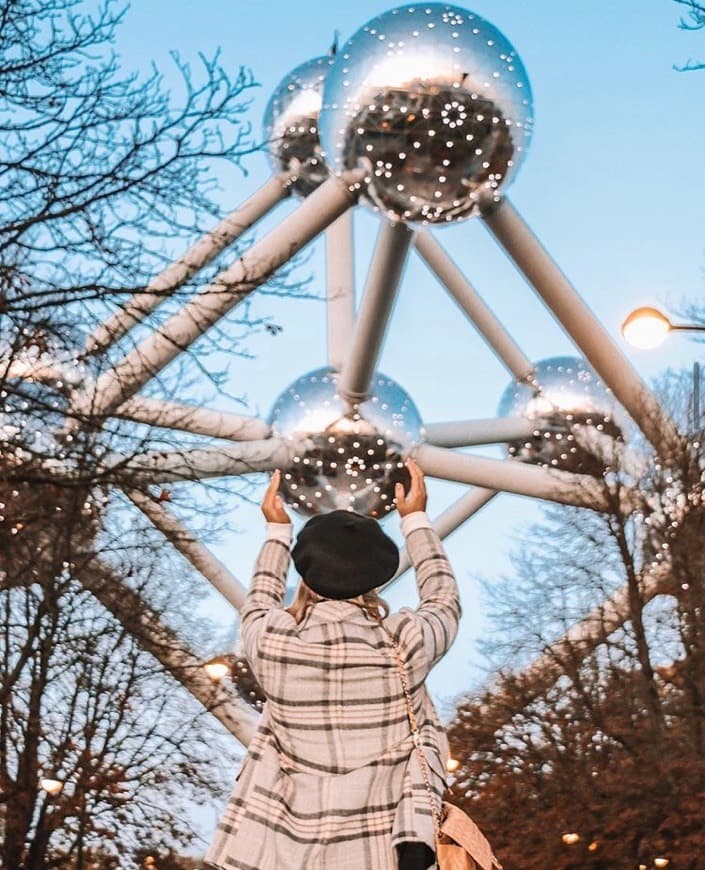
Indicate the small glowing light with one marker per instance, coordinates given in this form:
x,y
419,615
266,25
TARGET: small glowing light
x,y
452,765
661,862
53,786
646,328
594,846
217,668
571,839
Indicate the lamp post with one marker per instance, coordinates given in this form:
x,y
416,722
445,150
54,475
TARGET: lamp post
x,y
647,328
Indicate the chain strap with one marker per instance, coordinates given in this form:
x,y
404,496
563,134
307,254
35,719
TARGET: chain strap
x,y
415,732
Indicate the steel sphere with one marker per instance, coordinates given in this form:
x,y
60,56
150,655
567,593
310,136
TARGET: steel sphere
x,y
353,454
436,103
291,124
570,399
35,399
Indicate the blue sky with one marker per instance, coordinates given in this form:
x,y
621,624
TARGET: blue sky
x,y
612,185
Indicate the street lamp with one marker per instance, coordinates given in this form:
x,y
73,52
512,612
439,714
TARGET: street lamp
x,y
217,668
647,327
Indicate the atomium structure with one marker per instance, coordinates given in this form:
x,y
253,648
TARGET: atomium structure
x,y
423,116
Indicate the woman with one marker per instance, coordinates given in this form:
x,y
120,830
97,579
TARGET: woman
x,y
331,780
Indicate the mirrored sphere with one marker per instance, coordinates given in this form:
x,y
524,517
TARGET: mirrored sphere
x,y
435,102
35,397
570,403
291,124
354,453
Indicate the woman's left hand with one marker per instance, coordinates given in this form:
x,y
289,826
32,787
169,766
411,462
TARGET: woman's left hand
x,y
272,503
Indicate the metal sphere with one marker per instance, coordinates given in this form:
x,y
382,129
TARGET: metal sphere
x,y
35,398
354,453
436,103
291,124
571,400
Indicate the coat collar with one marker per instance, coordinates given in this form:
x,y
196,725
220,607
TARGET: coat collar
x,y
329,610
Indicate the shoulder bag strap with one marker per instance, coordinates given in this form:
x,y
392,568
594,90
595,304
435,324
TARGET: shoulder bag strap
x,y
415,733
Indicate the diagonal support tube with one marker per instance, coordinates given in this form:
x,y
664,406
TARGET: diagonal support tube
x,y
467,433
584,636
512,476
161,466
451,519
196,258
479,314
190,418
542,273
161,641
229,288
190,548
375,310
340,287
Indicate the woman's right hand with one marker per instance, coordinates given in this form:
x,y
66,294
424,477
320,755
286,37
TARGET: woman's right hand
x,y
415,499
272,503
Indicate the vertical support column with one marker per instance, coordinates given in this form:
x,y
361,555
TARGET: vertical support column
x,y
340,288
696,397
542,273
376,309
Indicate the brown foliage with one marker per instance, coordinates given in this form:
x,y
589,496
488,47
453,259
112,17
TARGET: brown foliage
x,y
602,739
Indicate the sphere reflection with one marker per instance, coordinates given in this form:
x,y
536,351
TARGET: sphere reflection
x,y
435,101
570,401
291,124
354,454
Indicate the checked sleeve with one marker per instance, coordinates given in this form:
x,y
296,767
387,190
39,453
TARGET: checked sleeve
x,y
267,587
439,610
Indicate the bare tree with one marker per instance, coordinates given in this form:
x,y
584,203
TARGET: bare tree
x,y
106,177
82,703
694,20
587,749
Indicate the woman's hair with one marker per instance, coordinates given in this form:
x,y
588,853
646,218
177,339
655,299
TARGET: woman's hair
x,y
370,603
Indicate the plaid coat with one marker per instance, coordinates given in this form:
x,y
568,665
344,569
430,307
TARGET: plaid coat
x,y
331,781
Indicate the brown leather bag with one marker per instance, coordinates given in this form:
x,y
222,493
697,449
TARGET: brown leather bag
x,y
460,844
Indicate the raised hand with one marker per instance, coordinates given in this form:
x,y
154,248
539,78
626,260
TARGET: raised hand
x,y
272,503
415,499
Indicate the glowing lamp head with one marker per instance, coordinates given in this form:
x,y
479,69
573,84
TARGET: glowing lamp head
x,y
434,102
452,765
291,125
217,668
52,787
571,838
661,862
646,328
350,455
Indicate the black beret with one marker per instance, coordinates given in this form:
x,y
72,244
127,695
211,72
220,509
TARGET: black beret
x,y
342,554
